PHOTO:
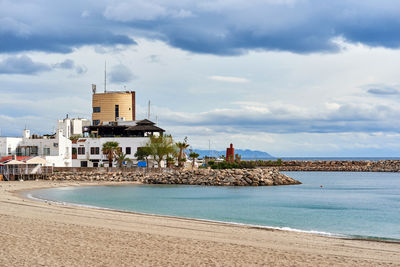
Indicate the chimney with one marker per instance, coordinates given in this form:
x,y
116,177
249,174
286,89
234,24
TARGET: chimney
x,y
26,134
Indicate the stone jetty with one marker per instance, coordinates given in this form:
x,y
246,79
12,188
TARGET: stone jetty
x,y
343,166
232,177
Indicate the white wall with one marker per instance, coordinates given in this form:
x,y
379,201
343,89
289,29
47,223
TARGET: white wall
x,y
60,148
65,126
72,127
9,142
124,142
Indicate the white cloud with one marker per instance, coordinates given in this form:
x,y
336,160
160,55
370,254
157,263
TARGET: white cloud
x,y
228,79
294,105
121,74
134,11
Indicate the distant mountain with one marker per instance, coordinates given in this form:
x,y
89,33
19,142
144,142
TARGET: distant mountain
x,y
245,153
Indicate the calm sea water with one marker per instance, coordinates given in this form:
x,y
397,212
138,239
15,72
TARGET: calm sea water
x,y
326,158
365,205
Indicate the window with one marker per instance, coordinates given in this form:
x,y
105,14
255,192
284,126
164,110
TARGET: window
x,y
128,150
116,111
81,151
95,150
34,151
84,163
96,109
46,151
96,122
9,151
19,151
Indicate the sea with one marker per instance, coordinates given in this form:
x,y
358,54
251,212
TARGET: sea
x,y
362,205
325,158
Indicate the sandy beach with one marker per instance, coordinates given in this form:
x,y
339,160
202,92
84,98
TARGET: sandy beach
x,y
36,233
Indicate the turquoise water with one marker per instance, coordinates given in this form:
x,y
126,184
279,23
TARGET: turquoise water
x,y
365,205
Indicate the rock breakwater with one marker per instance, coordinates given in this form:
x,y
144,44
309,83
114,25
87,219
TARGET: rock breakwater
x,y
237,177
343,166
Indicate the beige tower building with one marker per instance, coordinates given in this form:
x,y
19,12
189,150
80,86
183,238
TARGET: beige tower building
x,y
113,106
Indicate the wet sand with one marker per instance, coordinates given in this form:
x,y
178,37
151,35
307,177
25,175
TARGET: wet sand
x,y
34,233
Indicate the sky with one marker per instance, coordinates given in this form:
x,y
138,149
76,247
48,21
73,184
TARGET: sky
x,y
289,77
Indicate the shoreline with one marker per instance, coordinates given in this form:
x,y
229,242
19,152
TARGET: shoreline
x,y
24,194
193,241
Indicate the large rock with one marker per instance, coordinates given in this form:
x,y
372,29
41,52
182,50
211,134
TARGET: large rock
x,y
242,177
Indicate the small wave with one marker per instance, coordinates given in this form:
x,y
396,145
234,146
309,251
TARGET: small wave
x,y
30,196
283,228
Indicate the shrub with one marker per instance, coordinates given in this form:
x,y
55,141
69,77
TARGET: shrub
x,y
232,165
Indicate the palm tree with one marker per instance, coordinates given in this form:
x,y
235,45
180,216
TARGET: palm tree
x,y
181,146
238,157
121,157
160,147
194,156
110,149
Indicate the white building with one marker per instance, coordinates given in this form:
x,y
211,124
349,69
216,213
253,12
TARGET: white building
x,y
72,127
60,151
8,145
87,151
56,149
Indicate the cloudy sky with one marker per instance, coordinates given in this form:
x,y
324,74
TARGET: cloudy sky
x,y
290,77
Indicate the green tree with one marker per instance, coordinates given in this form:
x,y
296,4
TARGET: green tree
x,y
110,149
181,146
121,157
74,137
170,161
143,153
193,156
160,147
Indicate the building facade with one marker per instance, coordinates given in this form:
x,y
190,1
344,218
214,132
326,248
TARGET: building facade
x,y
72,127
55,149
130,135
113,106
87,152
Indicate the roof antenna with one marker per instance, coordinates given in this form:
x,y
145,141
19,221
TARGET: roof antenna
x,y
148,111
105,76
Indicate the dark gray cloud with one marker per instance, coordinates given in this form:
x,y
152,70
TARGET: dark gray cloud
x,y
26,66
384,91
234,26
22,65
64,44
69,64
54,26
347,118
121,74
66,64
226,27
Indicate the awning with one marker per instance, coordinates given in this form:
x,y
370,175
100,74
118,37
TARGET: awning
x,y
36,160
15,162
